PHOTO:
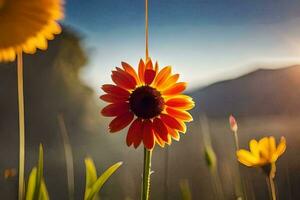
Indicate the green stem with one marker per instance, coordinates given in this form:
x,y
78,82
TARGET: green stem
x,y
146,174
21,126
271,187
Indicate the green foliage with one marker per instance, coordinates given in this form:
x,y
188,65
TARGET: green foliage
x,y
210,157
94,184
36,189
185,190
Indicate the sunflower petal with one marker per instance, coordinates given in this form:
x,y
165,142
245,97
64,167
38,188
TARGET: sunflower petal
x,y
113,98
135,134
181,101
161,129
179,114
162,76
120,122
149,76
115,109
173,123
175,89
141,70
113,89
148,135
130,70
123,79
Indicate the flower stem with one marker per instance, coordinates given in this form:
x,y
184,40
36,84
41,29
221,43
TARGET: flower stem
x,y
271,185
21,125
146,174
236,140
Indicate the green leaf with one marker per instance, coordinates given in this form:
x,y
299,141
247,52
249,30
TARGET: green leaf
x,y
31,184
91,175
101,180
36,189
44,192
39,175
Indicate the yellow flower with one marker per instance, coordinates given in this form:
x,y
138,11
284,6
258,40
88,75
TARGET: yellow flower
x,y
27,25
262,153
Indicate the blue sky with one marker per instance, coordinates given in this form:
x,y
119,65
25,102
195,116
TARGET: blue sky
x,y
204,40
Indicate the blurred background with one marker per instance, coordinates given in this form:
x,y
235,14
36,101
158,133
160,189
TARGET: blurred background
x,y
239,57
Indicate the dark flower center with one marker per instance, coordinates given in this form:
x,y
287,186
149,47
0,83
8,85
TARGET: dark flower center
x,y
146,102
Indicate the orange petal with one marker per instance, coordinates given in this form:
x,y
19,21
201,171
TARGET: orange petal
x,y
173,123
135,134
113,89
174,133
175,89
123,79
113,98
159,141
161,129
169,82
149,76
180,114
130,70
141,70
149,64
148,135
181,101
162,76
120,122
115,109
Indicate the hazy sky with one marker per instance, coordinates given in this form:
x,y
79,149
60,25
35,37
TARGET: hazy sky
x,y
204,40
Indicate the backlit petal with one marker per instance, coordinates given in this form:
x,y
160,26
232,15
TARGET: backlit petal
x,y
148,135
149,76
115,109
141,70
161,129
179,114
175,89
120,122
162,76
123,80
181,101
173,123
130,70
135,134
113,98
115,90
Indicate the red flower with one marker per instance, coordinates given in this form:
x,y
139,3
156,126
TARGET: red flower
x,y
150,101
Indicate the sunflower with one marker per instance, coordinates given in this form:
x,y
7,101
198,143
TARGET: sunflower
x,y
27,25
150,100
263,153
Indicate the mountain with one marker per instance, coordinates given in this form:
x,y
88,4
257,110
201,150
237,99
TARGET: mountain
x,y
259,93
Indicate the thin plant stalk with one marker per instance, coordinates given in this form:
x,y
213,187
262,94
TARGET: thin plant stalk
x,y
147,153
271,186
146,174
68,155
240,181
21,125
236,140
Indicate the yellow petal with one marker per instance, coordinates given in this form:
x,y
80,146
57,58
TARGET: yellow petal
x,y
272,145
281,147
264,147
254,148
247,158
